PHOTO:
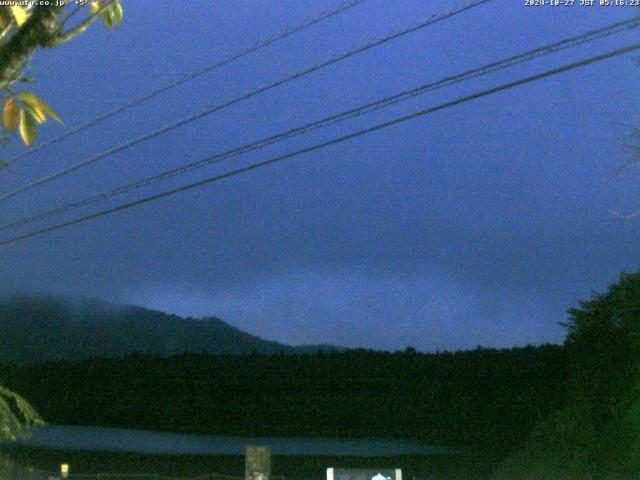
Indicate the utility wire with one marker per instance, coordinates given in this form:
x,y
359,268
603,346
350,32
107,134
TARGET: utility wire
x,y
335,59
318,146
331,120
306,23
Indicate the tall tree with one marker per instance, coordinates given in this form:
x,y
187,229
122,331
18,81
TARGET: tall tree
x,y
604,340
598,434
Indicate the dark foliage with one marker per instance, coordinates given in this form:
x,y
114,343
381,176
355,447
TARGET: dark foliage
x,y
604,343
487,399
597,436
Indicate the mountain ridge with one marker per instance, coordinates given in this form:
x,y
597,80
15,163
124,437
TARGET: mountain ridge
x,y
36,328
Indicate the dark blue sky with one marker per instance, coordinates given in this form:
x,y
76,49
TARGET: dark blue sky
x,y
481,224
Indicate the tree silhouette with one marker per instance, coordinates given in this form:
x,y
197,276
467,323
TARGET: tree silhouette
x,y
598,434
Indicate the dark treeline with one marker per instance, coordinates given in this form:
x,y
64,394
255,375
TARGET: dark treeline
x,y
486,398
570,411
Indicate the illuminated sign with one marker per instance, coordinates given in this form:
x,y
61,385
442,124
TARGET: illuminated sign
x,y
257,463
364,474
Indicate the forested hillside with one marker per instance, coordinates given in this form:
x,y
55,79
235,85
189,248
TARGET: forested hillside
x,y
484,398
42,328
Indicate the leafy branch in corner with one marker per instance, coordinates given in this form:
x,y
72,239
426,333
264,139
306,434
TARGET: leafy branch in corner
x,y
16,416
23,30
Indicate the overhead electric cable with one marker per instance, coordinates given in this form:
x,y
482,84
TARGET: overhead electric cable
x,y
265,42
331,120
318,146
335,59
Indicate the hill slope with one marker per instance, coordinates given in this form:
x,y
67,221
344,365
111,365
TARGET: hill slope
x,y
42,328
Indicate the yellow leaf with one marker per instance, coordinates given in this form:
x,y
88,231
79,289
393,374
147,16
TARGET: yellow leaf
x,y
28,128
32,103
10,115
37,114
39,108
29,98
95,6
49,111
19,13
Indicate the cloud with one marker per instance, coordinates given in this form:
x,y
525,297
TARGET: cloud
x,y
388,311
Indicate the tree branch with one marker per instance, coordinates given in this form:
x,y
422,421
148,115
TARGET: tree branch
x,y
70,16
5,32
37,31
80,28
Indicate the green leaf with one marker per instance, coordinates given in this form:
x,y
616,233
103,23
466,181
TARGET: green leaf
x,y
117,12
17,417
107,18
111,16
28,128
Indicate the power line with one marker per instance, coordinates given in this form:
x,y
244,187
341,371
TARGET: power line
x,y
318,146
306,23
335,59
331,120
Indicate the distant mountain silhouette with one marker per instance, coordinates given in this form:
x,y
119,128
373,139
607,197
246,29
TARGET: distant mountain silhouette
x,y
38,328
